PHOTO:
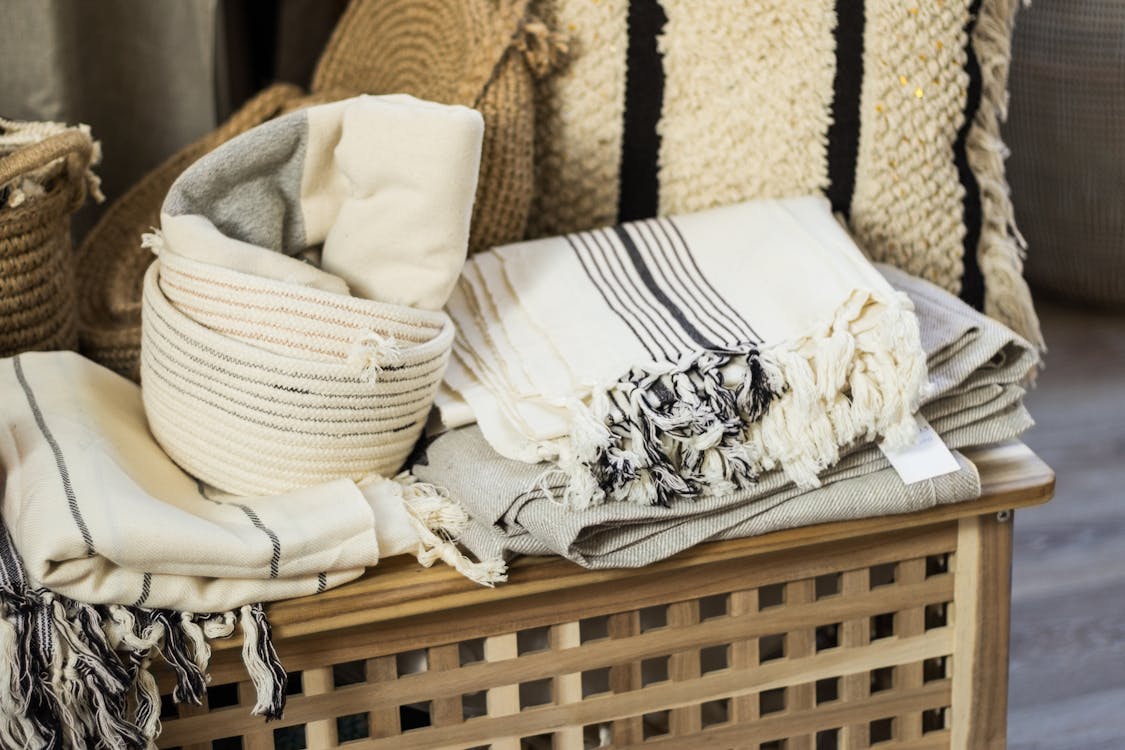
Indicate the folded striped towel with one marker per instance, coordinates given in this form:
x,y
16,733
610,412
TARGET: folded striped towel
x,y
263,372
683,356
104,531
977,368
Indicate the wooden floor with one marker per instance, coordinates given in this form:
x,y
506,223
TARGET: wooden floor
x,y
1068,610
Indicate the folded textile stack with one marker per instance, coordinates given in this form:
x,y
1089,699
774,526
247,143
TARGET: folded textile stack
x,y
976,367
685,356
280,397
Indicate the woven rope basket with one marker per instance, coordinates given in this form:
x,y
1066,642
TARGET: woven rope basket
x,y
37,301
1067,135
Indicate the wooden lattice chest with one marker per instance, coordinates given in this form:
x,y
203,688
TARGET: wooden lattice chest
x,y
889,633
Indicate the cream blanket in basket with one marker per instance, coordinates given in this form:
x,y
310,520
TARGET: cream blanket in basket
x,y
683,356
263,372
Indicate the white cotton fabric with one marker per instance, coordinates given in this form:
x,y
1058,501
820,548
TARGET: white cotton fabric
x,y
100,514
547,328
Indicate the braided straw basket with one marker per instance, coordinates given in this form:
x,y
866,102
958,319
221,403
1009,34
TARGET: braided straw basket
x,y
479,53
37,300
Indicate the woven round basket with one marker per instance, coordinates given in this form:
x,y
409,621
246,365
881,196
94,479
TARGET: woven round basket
x,y
37,302
1066,131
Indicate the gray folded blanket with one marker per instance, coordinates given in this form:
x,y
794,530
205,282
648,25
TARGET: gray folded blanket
x,y
976,365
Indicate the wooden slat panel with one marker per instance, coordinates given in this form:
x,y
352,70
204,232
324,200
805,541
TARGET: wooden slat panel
x,y
684,665
598,599
799,644
187,710
664,696
505,699
567,686
472,677
855,634
810,722
625,676
909,621
384,722
319,735
981,623
744,655
445,710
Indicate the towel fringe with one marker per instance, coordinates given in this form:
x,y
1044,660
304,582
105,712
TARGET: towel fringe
x,y
710,424
1002,249
262,663
371,352
153,241
439,520
80,675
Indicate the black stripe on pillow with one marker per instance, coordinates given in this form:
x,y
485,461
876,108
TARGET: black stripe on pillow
x,y
644,101
843,132
972,280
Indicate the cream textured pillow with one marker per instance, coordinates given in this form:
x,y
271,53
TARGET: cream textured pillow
x,y
889,107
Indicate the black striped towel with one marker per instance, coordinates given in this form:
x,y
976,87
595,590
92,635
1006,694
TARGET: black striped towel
x,y
683,356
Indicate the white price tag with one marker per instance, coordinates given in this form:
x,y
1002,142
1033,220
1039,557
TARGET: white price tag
x,y
927,458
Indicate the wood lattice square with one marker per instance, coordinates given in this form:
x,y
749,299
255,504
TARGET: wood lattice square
x,y
847,650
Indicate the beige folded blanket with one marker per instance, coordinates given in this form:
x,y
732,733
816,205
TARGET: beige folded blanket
x,y
976,365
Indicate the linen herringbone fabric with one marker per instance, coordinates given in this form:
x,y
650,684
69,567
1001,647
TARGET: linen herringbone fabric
x,y
264,373
685,356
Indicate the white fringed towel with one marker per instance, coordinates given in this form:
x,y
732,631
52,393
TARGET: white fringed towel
x,y
682,356
100,514
264,373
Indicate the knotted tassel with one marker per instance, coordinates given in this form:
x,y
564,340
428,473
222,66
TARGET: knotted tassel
x,y
262,663
438,520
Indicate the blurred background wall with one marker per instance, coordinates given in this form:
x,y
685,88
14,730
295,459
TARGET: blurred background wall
x,y
150,76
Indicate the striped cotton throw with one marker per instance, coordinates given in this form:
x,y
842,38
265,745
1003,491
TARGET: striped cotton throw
x,y
292,325
976,366
683,356
110,545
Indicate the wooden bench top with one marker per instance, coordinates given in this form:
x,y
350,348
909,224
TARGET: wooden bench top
x,y
1012,476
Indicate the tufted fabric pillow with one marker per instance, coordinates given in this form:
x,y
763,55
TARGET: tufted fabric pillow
x,y
889,107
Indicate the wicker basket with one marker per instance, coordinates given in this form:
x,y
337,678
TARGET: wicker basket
x,y
37,302
838,636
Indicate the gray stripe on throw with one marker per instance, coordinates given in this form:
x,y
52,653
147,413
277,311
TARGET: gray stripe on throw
x,y
275,559
60,462
146,589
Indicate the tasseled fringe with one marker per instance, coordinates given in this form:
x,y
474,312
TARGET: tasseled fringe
x,y
439,521
79,675
544,50
262,664
713,422
1002,248
154,241
371,352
